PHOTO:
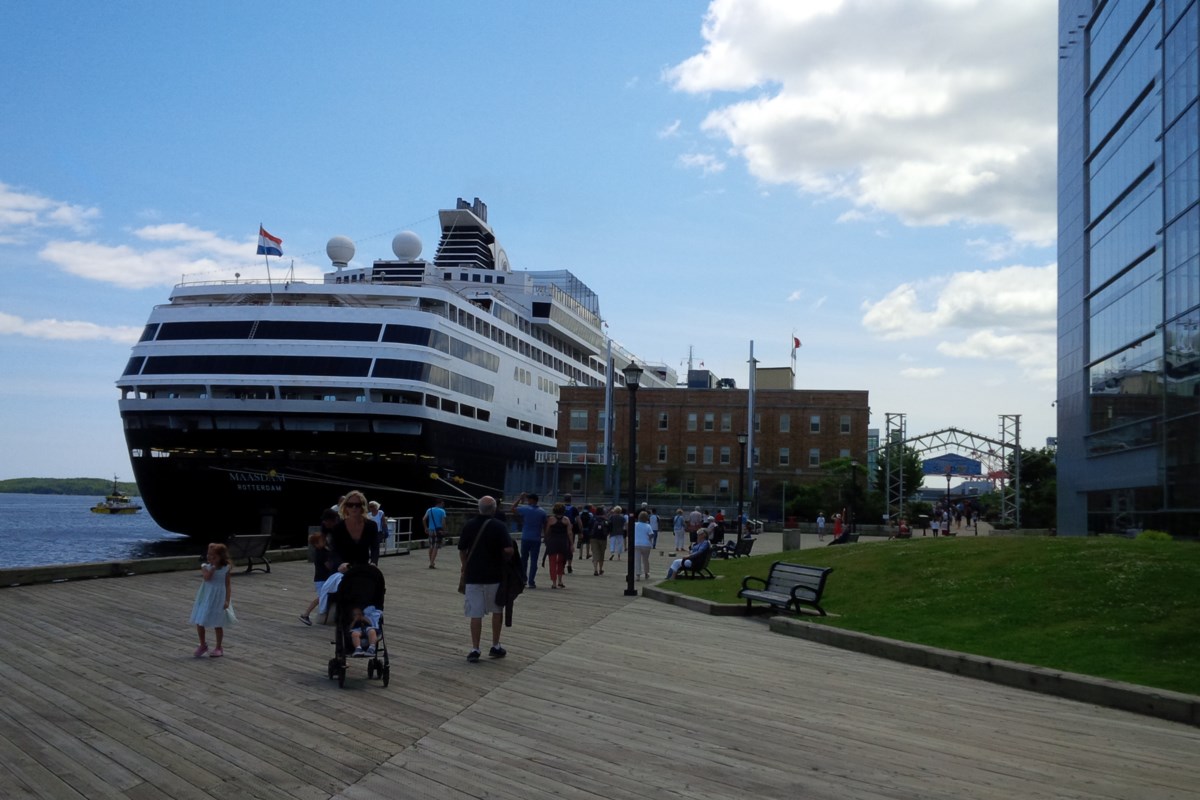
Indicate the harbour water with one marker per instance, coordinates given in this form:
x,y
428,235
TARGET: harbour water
x,y
40,530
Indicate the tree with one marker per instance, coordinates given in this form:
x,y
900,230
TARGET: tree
x,y
1039,487
913,470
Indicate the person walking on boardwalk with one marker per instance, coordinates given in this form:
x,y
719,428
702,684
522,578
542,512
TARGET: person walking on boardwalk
x,y
643,543
598,537
322,569
560,541
212,598
533,528
616,533
821,526
355,534
483,548
435,529
680,527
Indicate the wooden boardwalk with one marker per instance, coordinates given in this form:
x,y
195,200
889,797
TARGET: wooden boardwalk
x,y
602,696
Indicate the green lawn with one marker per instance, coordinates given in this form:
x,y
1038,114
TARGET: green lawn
x,y
1107,607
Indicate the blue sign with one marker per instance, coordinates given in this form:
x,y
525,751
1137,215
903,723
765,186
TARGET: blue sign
x,y
951,464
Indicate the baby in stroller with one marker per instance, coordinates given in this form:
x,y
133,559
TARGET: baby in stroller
x,y
359,613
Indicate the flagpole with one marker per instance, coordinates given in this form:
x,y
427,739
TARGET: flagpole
x,y
267,261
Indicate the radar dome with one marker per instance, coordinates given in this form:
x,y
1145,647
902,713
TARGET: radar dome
x,y
407,246
340,250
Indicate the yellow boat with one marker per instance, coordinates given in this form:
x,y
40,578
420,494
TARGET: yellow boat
x,y
116,503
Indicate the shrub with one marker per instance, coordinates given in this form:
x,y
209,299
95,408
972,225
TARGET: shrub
x,y
1154,536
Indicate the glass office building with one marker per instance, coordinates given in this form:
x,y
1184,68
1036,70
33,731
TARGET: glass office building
x,y
1129,266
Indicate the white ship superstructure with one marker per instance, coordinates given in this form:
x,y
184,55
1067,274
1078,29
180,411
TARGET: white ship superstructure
x,y
266,399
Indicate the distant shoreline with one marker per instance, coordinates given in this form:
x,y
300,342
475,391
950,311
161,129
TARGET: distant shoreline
x,y
66,486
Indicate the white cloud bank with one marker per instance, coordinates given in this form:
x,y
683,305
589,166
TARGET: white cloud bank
x,y
65,330
22,211
936,111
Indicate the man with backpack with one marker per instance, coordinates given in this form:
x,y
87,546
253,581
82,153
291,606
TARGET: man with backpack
x,y
598,540
586,519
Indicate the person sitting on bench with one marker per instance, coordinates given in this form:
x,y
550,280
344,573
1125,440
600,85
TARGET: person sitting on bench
x,y
699,547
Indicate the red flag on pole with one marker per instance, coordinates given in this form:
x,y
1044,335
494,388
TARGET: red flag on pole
x,y
795,343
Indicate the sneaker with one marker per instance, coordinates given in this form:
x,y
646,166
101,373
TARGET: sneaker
x,y
371,650
569,570
201,650
304,618
497,652
431,566
473,656
358,653
216,653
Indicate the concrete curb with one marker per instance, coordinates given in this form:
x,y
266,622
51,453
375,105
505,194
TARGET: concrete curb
x,y
1159,703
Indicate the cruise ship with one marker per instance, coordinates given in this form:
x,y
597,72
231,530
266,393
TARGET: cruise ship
x,y
250,406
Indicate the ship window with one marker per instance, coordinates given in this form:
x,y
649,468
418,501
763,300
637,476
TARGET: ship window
x,y
431,401
475,278
447,276
247,424
512,422
538,430
483,415
526,426
462,276
134,365
499,279
487,278
317,331
467,411
331,366
450,405
222,329
148,333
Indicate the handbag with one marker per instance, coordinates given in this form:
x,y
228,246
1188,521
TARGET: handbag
x,y
230,616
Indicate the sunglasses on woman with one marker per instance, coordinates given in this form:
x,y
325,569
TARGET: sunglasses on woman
x,y
353,505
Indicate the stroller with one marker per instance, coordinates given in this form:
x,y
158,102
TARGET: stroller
x,y
361,586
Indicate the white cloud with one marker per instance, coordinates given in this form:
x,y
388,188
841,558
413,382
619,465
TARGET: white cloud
x,y
796,295
187,253
671,131
1005,314
22,210
72,330
936,111
705,162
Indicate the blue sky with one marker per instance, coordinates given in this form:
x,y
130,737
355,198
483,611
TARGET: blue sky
x,y
875,177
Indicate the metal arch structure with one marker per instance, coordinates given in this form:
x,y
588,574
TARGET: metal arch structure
x,y
992,453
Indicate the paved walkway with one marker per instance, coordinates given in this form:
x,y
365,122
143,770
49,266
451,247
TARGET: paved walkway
x,y
602,696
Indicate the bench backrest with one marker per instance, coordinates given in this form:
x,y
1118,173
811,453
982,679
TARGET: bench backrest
x,y
744,546
784,576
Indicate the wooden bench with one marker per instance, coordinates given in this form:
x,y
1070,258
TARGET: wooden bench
x,y
741,548
699,567
251,548
787,586
845,538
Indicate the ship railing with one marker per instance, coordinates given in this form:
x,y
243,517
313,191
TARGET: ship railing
x,y
552,457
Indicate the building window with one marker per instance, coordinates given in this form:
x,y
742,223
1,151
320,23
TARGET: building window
x,y
727,422
662,454
785,423
576,482
814,423
601,421
844,452
662,421
724,455
785,456
756,456
723,486
691,454
814,457
708,454
845,423
579,419
758,423
691,423
709,420
578,452
689,486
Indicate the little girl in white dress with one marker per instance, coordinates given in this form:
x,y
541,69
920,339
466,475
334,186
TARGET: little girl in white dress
x,y
212,599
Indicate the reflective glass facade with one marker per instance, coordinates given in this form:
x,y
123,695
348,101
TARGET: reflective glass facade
x,y
1129,266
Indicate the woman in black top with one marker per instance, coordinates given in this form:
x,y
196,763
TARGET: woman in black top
x,y
355,533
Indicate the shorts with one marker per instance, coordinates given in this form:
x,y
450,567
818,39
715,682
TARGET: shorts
x,y
362,629
317,587
437,538
480,599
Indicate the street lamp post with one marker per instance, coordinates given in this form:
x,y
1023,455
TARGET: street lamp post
x,y
742,438
853,497
633,375
947,515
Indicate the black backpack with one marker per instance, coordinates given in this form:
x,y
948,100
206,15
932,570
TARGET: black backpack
x,y
585,521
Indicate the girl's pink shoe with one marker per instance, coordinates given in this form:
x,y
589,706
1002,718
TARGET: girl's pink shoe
x,y
216,653
201,650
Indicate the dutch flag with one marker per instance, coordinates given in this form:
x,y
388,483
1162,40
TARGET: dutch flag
x,y
269,245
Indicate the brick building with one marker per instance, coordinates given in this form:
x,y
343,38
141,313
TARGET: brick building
x,y
687,440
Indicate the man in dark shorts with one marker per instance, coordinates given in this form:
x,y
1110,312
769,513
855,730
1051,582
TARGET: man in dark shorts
x,y
483,548
435,529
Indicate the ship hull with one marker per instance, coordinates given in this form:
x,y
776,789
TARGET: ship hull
x,y
214,484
